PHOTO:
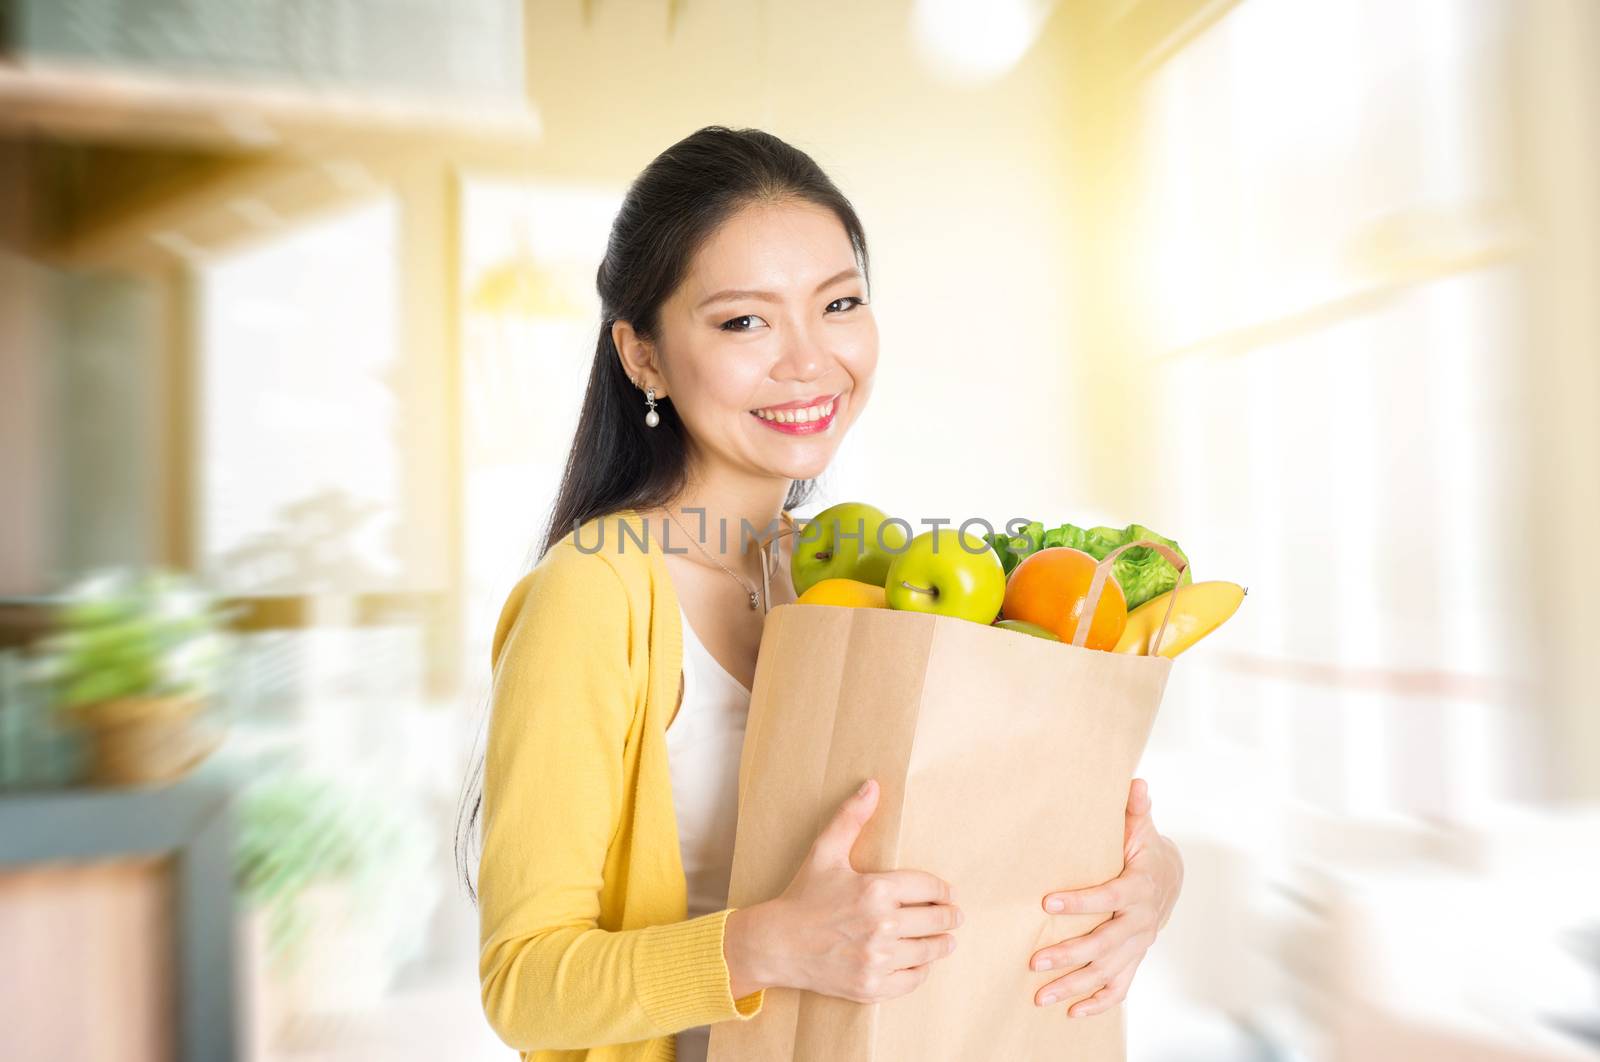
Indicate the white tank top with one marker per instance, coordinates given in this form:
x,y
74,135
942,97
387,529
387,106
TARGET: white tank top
x,y
704,741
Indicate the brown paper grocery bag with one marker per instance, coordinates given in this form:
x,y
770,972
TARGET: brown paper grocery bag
x,y
1003,762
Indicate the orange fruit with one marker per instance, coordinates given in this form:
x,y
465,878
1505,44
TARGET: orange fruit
x,y
1049,588
850,593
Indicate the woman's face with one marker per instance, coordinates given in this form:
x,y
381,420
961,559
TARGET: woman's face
x,y
768,348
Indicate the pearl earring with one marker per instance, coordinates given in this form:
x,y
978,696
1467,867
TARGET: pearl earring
x,y
651,418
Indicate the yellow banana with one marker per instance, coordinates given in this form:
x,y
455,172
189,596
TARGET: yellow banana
x,y
1200,609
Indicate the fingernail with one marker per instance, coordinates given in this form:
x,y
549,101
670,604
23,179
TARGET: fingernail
x,y
960,917
1047,999
864,787
1055,904
1042,964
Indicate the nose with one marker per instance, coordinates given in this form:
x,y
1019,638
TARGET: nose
x,y
803,358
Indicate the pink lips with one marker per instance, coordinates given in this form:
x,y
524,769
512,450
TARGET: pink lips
x,y
810,427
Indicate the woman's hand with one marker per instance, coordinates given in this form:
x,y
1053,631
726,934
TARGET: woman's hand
x,y
1140,900
863,937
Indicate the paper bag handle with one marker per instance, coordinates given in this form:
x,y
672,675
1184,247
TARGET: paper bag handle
x,y
1102,572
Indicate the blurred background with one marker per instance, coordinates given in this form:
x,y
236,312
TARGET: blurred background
x,y
296,303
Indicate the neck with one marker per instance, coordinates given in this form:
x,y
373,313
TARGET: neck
x,y
737,512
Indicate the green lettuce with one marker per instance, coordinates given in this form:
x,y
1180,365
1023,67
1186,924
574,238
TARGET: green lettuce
x,y
1141,572
1013,548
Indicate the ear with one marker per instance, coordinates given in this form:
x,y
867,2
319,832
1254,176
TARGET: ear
x,y
638,357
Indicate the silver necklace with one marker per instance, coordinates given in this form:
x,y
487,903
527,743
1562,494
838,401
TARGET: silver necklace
x,y
749,588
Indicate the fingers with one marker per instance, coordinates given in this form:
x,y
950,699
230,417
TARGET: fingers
x,y
914,937
1102,941
1137,825
1080,982
876,986
1138,798
902,982
1118,894
928,920
833,844
897,955
1107,997
1097,899
919,951
1088,980
917,886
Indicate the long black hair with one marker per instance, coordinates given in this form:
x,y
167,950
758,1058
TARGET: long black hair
x,y
616,462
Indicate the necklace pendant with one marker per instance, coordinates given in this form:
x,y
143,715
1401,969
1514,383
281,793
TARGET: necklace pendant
x,y
754,604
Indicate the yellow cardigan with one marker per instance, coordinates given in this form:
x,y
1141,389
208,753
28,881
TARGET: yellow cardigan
x,y
585,950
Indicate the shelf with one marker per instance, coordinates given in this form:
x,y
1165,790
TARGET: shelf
x,y
74,101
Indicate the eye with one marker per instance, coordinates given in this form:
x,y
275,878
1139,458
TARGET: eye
x,y
726,326
851,299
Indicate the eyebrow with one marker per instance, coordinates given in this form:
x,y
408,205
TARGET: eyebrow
x,y
767,296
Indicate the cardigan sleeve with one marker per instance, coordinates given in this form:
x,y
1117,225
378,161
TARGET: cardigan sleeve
x,y
561,703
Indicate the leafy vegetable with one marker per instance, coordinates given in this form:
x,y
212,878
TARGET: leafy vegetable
x,y
1013,548
1141,572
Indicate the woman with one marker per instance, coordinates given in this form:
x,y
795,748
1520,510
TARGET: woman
x,y
737,348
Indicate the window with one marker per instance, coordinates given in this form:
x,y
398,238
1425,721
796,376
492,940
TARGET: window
x,y
1328,268
302,414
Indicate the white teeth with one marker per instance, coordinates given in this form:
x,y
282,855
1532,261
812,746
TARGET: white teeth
x,y
796,416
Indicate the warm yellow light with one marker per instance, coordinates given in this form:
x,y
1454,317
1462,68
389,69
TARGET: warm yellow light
x,y
976,42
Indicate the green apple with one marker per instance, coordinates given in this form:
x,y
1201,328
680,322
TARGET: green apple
x,y
850,540
1028,628
948,572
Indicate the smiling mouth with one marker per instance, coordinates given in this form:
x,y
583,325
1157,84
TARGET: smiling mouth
x,y
807,415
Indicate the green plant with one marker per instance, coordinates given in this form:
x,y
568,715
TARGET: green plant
x,y
123,632
296,829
